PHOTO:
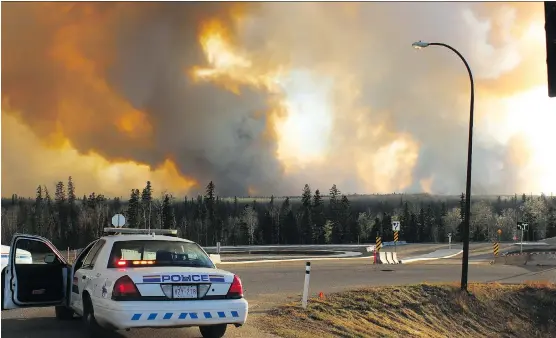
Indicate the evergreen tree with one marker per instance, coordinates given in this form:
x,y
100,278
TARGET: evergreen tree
x,y
63,236
168,220
267,223
145,206
440,225
60,195
405,223
414,226
210,217
235,211
38,212
421,223
214,231
306,223
429,225
132,209
498,206
71,191
147,193
377,224
386,227
347,221
288,223
275,215
73,225
551,223
335,207
459,230
319,219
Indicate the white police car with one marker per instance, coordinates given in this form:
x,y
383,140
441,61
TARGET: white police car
x,y
124,281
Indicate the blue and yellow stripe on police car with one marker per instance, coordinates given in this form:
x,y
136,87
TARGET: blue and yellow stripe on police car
x,y
185,315
151,279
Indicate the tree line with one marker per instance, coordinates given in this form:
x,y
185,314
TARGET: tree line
x,y
311,218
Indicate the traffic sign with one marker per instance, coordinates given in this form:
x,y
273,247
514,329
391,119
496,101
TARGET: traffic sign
x,y
496,248
522,225
395,226
118,220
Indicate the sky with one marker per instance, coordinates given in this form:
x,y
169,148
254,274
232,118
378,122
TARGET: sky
x,y
262,98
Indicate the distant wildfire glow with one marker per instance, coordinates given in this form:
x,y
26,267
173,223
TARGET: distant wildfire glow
x,y
263,98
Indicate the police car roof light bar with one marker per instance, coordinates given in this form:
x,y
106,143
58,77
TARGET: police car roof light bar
x,y
133,231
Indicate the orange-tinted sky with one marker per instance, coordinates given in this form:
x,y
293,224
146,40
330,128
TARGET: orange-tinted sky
x,y
266,97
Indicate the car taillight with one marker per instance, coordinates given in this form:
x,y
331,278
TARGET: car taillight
x,y
124,287
236,289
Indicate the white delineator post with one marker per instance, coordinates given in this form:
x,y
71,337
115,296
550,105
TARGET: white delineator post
x,y
306,284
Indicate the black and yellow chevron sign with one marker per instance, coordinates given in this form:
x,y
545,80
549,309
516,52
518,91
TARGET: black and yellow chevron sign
x,y
395,236
378,243
496,248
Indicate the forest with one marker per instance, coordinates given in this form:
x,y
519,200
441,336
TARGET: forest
x,y
313,217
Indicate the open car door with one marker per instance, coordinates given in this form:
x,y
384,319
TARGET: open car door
x,y
36,275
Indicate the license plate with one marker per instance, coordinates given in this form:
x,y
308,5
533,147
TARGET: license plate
x,y
184,291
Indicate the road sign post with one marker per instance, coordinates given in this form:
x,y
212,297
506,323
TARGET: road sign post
x,y
521,226
395,229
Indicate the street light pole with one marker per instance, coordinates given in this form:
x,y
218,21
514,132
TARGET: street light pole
x,y
465,259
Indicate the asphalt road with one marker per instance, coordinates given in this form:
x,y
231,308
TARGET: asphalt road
x,y
269,284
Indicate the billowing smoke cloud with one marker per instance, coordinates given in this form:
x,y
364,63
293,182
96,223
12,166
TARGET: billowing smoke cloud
x,y
301,93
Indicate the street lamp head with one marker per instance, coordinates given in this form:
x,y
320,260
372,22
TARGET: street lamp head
x,y
420,44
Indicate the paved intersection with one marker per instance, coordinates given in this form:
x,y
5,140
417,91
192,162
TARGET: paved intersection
x,y
269,284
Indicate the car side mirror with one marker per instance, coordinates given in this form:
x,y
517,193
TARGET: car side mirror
x,y
50,258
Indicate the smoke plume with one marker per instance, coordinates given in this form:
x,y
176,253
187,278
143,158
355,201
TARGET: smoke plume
x,y
263,98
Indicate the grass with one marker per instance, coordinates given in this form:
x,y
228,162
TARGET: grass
x,y
424,310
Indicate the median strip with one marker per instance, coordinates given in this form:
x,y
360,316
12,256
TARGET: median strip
x,y
423,310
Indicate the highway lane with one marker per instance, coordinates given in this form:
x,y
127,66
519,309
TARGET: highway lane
x,y
269,284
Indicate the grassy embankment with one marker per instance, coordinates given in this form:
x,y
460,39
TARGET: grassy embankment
x,y
424,310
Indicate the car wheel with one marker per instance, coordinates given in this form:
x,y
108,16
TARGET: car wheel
x,y
95,330
63,313
213,331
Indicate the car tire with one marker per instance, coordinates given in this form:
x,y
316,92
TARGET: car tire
x,y
213,331
63,313
93,327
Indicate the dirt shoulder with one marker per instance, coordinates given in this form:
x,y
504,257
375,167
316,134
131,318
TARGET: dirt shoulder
x,y
424,310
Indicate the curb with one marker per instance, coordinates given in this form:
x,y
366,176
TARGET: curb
x,y
531,253
417,259
293,260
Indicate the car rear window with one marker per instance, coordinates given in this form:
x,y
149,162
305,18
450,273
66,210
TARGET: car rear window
x,y
159,253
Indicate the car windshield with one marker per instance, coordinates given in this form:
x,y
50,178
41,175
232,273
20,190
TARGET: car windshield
x,y
159,253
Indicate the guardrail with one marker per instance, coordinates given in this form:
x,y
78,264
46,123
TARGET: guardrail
x,y
339,247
